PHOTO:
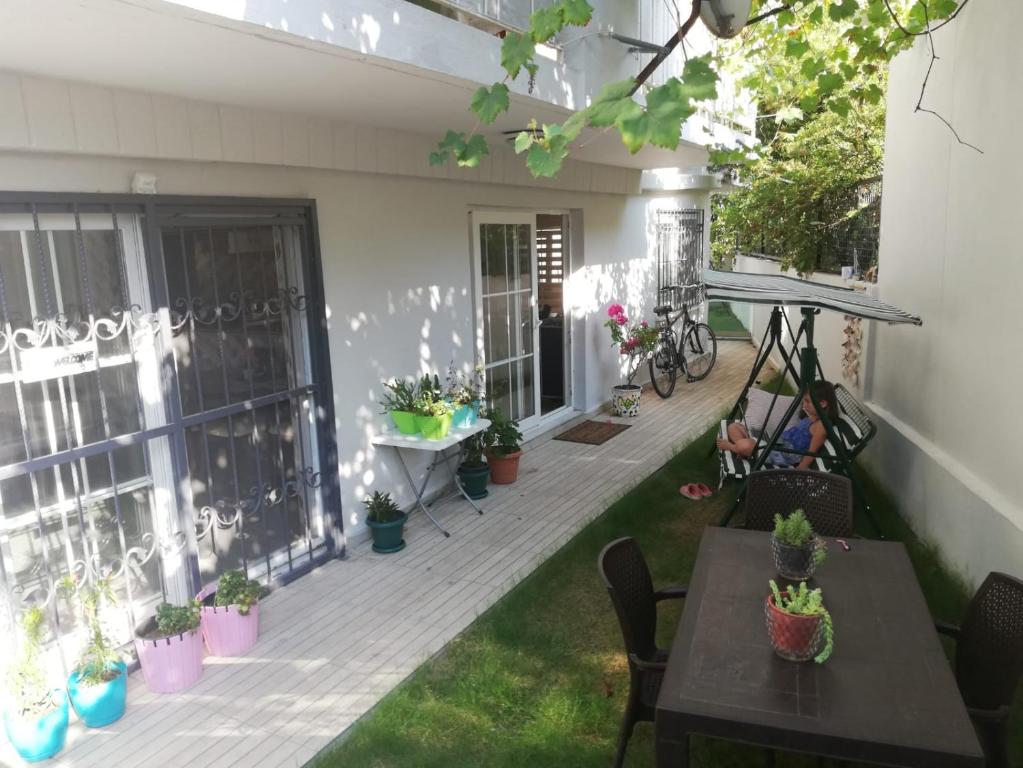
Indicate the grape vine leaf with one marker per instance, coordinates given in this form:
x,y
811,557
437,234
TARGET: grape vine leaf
x,y
546,22
472,152
578,12
613,102
488,103
517,53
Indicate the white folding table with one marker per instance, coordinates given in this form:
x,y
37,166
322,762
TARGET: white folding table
x,y
441,454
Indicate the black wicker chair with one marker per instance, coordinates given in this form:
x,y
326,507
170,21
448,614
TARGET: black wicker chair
x,y
989,660
627,578
826,498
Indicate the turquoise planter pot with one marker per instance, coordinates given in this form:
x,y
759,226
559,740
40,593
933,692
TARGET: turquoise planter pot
x,y
39,738
99,705
466,415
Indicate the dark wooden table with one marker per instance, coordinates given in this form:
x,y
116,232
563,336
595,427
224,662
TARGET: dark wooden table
x,y
887,695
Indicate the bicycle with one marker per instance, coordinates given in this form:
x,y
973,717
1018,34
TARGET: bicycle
x,y
694,354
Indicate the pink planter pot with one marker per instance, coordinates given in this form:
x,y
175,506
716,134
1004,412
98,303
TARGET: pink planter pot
x,y
169,664
227,632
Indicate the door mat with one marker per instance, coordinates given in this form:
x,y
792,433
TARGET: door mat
x,y
592,432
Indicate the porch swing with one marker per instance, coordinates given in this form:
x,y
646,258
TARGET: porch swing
x,y
850,431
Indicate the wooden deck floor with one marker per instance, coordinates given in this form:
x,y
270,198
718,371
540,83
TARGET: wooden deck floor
x,y
334,642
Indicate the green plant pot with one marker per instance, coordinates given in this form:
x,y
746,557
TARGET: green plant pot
x,y
474,480
406,422
387,537
434,427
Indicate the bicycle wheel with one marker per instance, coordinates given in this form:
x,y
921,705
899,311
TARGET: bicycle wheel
x,y
698,351
664,367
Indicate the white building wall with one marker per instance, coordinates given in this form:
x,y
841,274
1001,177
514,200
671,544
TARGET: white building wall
x,y
394,238
946,394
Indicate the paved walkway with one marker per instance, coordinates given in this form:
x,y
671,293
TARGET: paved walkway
x,y
333,643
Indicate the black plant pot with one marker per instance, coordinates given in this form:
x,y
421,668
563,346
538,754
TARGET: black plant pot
x,y
794,563
387,537
474,480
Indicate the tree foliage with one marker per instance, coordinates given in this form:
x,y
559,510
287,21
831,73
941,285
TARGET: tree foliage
x,y
833,79
799,176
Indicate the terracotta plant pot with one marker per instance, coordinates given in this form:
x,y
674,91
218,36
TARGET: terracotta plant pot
x,y
625,400
225,630
793,637
504,470
169,664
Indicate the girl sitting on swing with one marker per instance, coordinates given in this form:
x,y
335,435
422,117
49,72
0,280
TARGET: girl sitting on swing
x,y
807,435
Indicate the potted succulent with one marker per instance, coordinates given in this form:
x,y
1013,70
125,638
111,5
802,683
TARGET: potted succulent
x,y
465,394
473,472
399,401
36,716
98,685
386,521
503,449
798,624
796,548
433,412
169,647
230,614
635,342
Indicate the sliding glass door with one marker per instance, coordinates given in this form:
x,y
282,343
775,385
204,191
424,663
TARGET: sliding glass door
x,y
506,309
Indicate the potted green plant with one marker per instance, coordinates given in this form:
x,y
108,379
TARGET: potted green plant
x,y
635,342
433,412
465,394
797,550
98,685
503,448
798,624
399,401
473,472
169,647
386,521
230,614
36,715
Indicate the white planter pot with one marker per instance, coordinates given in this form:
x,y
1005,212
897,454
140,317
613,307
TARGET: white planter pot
x,y
625,400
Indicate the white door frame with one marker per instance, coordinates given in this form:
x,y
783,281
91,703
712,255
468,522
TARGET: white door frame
x,y
479,218
558,415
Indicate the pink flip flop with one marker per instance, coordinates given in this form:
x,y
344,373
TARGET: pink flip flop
x,y
704,489
691,491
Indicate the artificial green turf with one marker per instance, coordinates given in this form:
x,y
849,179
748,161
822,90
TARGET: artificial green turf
x,y
540,679
723,321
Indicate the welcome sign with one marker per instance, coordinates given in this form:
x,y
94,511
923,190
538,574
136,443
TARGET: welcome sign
x,y
45,363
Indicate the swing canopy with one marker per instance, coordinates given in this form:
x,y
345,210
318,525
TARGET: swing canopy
x,y
790,291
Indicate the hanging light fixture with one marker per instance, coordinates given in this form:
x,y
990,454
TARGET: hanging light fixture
x,y
725,18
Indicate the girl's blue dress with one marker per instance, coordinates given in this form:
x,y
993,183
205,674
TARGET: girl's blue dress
x,y
797,437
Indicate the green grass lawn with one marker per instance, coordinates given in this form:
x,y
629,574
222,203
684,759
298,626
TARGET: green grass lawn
x,y
541,679
723,321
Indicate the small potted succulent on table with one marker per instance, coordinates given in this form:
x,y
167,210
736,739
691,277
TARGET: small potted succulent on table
x,y
169,647
465,394
635,342
399,401
798,624
386,521
433,412
503,449
98,685
473,472
36,715
230,614
797,550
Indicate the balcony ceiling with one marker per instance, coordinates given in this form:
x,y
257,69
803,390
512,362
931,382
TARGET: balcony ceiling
x,y
161,47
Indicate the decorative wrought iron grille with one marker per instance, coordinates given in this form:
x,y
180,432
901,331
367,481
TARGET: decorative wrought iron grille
x,y
680,258
165,400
